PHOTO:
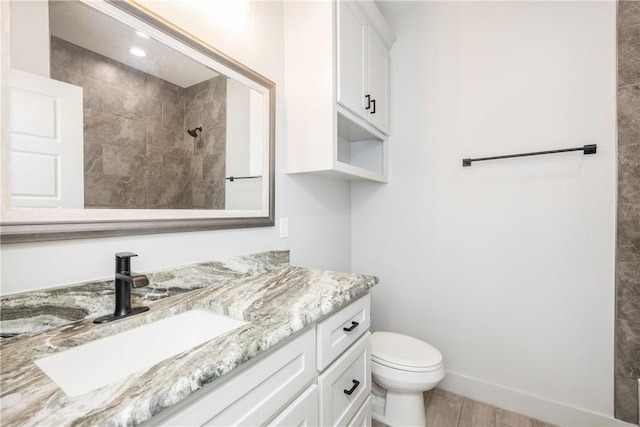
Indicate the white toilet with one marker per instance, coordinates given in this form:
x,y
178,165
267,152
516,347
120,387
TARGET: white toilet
x,y
403,368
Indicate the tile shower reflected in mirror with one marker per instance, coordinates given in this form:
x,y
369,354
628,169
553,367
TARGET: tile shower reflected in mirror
x,y
159,130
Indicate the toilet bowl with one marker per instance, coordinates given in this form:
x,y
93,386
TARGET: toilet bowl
x,y
404,368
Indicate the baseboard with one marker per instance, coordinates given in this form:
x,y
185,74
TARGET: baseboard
x,y
524,403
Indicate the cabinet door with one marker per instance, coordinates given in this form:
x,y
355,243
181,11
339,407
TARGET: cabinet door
x,y
351,55
303,412
378,81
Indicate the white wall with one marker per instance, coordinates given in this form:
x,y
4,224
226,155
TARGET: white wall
x,y
318,210
241,120
507,266
30,36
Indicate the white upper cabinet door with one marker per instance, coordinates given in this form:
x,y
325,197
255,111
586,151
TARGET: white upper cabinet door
x,y
47,168
378,81
351,53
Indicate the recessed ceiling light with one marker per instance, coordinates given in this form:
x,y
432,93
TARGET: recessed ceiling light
x,y
137,52
143,35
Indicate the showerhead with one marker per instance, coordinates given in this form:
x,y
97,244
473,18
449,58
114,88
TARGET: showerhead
x,y
194,132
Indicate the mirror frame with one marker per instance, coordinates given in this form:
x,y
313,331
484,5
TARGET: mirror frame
x,y
34,230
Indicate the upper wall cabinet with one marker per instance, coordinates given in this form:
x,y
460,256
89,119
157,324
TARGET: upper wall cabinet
x,y
337,88
362,67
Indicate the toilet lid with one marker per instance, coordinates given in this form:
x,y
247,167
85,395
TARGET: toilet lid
x,y
402,350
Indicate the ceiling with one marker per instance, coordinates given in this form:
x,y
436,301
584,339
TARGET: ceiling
x,y
86,27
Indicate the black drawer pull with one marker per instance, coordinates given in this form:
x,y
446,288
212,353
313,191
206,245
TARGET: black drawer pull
x,y
368,97
373,103
356,383
352,327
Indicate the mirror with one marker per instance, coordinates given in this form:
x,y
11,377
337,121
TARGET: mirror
x,y
128,125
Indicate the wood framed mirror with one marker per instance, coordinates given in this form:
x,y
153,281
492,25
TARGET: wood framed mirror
x,y
128,125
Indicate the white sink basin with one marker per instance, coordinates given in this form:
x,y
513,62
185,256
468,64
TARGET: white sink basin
x,y
90,366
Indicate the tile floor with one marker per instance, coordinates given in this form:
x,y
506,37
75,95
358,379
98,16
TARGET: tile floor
x,y
446,409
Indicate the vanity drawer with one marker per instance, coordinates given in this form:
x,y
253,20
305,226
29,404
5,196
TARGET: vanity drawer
x,y
332,337
254,395
363,417
302,412
346,384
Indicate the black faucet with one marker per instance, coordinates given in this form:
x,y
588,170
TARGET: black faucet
x,y
125,279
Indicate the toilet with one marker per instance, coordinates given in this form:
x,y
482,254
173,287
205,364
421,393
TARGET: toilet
x,y
402,368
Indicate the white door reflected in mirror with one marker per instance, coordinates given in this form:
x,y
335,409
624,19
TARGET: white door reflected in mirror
x,y
46,142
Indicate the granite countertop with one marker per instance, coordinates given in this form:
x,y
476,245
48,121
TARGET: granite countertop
x,y
275,299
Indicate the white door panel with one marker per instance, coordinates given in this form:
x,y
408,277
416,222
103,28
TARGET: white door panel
x,y
47,167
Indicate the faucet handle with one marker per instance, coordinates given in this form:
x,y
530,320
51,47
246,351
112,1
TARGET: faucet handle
x,y
123,261
125,255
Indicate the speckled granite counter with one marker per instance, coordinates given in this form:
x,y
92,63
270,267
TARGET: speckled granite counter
x,y
276,300
41,310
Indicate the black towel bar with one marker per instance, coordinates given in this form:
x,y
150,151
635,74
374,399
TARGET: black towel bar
x,y
587,149
233,178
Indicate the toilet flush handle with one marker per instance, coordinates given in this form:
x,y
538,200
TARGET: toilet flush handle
x,y
352,327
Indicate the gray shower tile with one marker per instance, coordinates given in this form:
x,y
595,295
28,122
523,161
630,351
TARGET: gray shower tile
x,y
166,194
627,348
111,191
626,401
628,233
153,112
113,73
101,128
92,158
208,195
629,55
187,194
628,183
213,112
213,167
172,115
166,141
629,115
628,291
628,12
66,61
125,161
162,90
200,92
195,167
192,116
120,160
476,413
188,144
175,167
212,140
628,173
100,96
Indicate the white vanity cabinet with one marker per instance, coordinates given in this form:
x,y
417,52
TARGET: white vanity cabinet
x,y
322,377
337,88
